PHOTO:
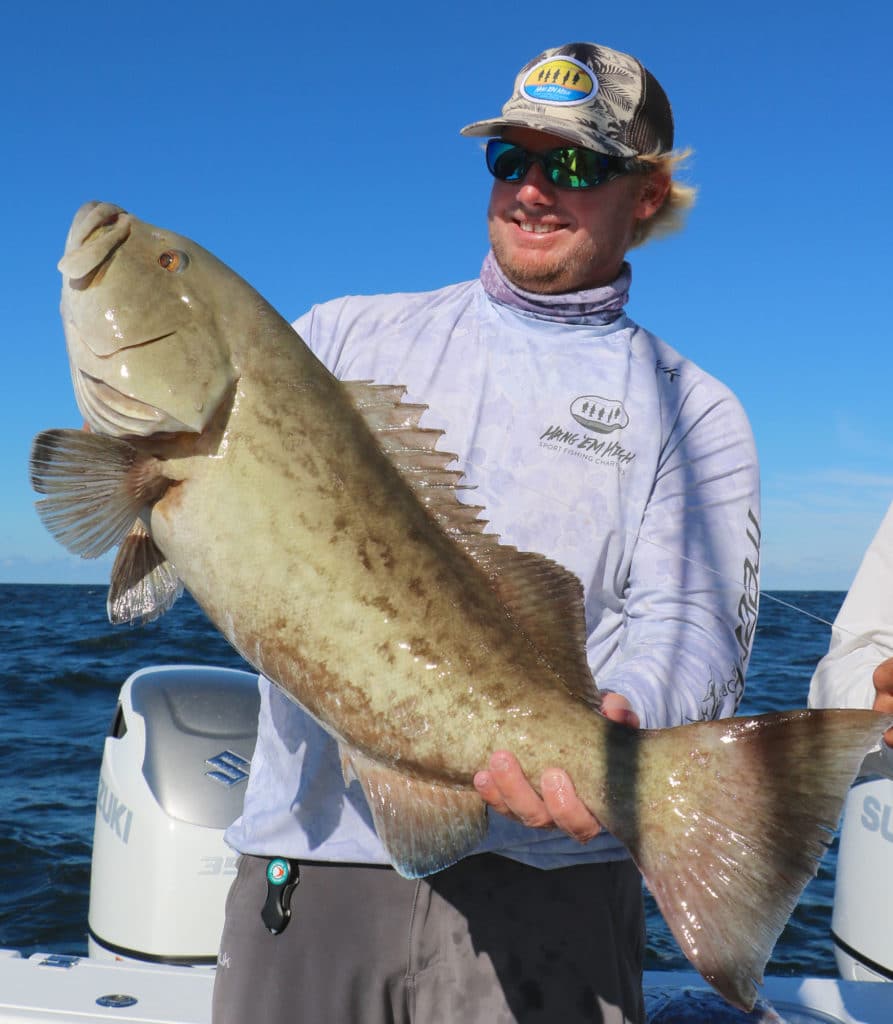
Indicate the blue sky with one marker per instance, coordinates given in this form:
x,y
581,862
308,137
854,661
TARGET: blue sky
x,y
317,152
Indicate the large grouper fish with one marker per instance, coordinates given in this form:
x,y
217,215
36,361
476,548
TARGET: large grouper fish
x,y
321,529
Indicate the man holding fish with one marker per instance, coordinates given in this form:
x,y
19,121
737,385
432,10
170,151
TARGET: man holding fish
x,y
445,814
590,440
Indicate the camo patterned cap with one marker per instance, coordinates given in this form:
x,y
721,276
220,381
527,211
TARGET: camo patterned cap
x,y
597,97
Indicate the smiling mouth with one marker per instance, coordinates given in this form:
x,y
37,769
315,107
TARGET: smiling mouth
x,y
537,228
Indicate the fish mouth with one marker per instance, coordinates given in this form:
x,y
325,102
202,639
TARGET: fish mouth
x,y
96,232
109,411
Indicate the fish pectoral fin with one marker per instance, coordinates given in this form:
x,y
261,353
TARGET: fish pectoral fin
x,y
425,827
731,821
95,488
144,584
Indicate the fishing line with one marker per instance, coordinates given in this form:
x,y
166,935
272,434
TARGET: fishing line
x,y
884,649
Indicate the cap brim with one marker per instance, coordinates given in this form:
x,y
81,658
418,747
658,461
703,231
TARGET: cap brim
x,y
554,126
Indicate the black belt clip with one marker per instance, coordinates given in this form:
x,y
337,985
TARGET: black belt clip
x,y
283,875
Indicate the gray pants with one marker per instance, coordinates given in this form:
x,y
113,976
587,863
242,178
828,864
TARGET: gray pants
x,y
488,941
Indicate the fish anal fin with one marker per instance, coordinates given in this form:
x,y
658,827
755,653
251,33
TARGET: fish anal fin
x,y
728,821
144,585
544,599
424,826
95,488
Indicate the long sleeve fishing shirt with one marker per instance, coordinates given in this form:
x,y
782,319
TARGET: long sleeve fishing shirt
x,y
862,636
589,440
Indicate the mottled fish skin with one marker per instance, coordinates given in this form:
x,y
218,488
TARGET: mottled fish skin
x,y
319,527
323,541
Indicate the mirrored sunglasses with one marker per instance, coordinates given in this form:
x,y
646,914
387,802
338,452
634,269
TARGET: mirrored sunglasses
x,y
566,167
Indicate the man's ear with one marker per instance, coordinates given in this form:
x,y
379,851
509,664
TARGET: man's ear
x,y
655,189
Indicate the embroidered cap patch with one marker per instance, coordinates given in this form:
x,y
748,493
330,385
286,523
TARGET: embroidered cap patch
x,y
560,80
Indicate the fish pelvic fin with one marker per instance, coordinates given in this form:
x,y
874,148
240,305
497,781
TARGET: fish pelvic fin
x,y
425,827
732,818
544,599
95,488
144,584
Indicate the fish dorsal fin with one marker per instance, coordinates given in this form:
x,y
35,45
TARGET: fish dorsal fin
x,y
425,827
544,599
144,584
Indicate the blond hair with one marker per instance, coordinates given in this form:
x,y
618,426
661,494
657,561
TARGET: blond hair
x,y
680,198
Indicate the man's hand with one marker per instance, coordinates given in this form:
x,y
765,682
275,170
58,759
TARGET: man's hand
x,y
506,789
883,684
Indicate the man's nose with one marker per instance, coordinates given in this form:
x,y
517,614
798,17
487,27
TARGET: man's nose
x,y
535,186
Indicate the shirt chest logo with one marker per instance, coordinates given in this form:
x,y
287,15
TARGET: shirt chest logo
x,y
597,416
603,415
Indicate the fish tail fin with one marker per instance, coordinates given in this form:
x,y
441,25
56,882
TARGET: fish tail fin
x,y
728,821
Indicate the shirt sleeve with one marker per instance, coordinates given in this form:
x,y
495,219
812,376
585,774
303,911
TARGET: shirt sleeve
x,y
325,328
862,635
693,587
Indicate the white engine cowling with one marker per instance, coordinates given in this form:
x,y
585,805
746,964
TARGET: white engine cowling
x,y
173,778
862,921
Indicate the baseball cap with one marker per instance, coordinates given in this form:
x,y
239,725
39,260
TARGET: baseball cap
x,y
589,94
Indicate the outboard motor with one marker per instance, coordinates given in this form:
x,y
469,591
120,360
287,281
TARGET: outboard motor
x,y
862,920
173,778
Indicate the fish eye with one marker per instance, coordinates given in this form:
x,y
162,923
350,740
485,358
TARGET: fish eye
x,y
175,261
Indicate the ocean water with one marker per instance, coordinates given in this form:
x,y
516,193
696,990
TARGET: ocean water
x,y
62,664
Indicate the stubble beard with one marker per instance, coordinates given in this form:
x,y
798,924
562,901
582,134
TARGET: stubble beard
x,y
552,277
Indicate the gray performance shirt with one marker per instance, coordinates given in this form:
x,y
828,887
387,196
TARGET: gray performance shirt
x,y
591,442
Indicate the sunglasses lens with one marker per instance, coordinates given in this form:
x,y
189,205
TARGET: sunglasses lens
x,y
576,167
506,161
569,167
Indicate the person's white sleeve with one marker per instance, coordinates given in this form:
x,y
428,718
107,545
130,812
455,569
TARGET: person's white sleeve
x,y
693,584
862,636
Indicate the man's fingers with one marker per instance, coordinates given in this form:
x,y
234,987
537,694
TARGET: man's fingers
x,y
488,791
883,701
619,709
883,679
506,789
565,807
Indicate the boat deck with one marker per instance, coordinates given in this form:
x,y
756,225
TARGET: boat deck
x,y
54,989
